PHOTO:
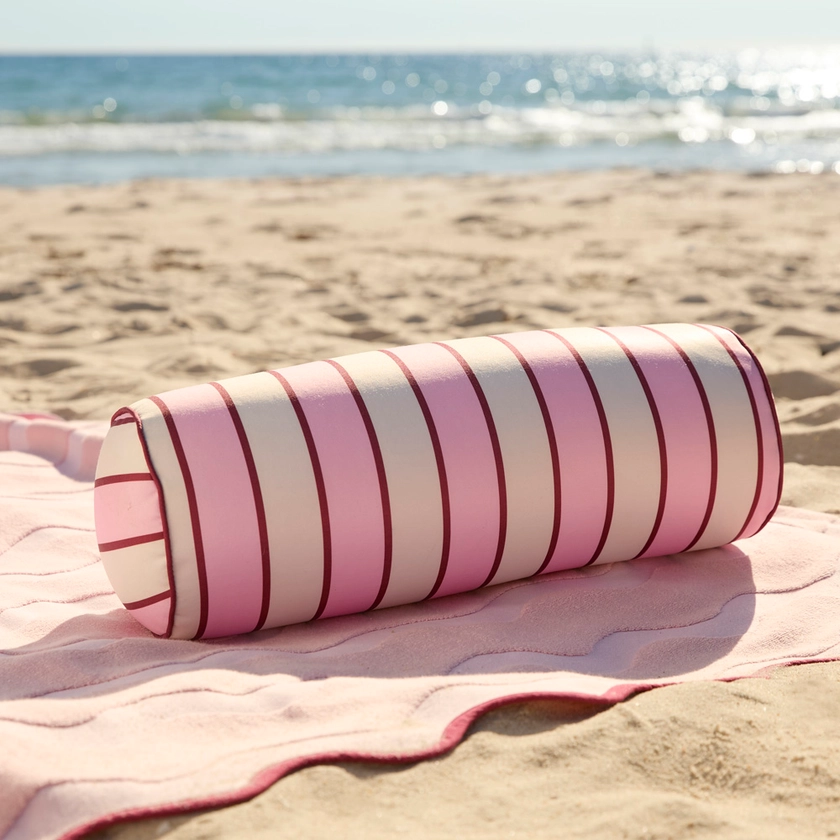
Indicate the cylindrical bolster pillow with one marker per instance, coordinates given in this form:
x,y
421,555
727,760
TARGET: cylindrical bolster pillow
x,y
393,476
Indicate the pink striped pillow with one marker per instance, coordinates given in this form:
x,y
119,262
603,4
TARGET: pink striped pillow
x,y
393,476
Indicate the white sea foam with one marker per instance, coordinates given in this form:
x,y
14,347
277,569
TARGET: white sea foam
x,y
687,119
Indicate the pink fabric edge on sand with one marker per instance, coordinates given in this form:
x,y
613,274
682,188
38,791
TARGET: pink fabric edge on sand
x,y
264,779
452,735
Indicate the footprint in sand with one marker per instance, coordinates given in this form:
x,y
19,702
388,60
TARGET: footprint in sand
x,y
37,367
475,219
166,258
120,237
595,249
202,363
370,334
495,226
514,199
821,416
16,324
801,385
304,233
691,228
56,328
15,291
177,252
297,233
735,319
563,308
590,201
796,332
45,237
140,306
350,314
811,435
489,315
774,300
57,254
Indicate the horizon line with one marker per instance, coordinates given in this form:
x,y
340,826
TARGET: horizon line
x,y
414,49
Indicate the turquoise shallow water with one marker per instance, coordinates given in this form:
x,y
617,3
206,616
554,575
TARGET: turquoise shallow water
x,y
104,118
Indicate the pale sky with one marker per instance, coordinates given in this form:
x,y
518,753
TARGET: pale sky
x,y
393,25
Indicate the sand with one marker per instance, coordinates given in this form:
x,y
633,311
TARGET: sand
x,y
112,293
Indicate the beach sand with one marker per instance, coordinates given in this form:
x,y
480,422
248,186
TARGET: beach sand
x,y
109,294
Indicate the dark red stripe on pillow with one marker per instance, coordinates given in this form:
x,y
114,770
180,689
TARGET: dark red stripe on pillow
x,y
384,496
319,485
121,418
147,602
121,478
189,488
552,447
259,505
608,450
660,439
759,437
710,425
774,414
441,468
170,574
497,456
130,541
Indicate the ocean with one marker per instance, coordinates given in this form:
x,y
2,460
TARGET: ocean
x,y
94,119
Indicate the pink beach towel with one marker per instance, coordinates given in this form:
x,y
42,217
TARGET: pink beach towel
x,y
396,476
102,721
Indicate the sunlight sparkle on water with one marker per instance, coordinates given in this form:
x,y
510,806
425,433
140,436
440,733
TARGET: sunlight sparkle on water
x,y
742,136
759,109
803,166
693,134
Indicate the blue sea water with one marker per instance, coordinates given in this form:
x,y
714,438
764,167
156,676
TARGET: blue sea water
x,y
110,118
